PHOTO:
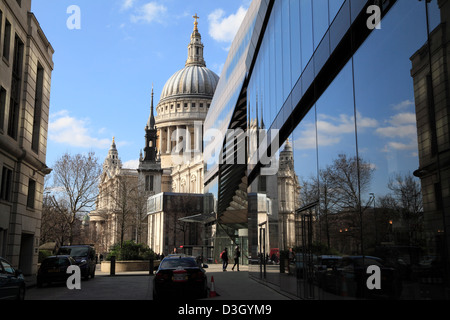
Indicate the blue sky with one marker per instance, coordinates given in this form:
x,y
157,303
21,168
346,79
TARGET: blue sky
x,y
104,71
101,84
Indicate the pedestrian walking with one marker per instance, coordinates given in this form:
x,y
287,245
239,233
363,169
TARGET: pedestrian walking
x,y
224,256
237,255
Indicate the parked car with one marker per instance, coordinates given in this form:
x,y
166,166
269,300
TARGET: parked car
x,y
180,277
324,263
12,282
84,256
54,269
303,265
349,278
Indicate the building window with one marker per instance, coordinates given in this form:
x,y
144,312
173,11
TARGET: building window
x,y
201,105
7,40
6,186
37,109
185,105
2,107
262,184
149,183
31,193
194,105
14,106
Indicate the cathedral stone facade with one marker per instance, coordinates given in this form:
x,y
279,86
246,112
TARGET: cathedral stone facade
x,y
171,161
182,110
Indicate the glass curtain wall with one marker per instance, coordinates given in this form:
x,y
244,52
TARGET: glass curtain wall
x,y
353,186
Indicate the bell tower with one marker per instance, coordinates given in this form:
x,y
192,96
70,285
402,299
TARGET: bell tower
x,y
149,169
151,135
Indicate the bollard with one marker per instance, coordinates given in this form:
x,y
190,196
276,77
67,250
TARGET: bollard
x,y
113,266
150,266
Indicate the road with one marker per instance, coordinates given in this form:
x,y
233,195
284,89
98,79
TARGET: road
x,y
138,286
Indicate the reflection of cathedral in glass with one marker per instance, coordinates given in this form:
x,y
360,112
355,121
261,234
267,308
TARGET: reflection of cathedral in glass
x,y
366,115
288,198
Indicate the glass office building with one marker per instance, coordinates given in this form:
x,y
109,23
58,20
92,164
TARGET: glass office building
x,y
328,148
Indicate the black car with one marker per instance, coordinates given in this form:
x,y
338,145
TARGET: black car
x,y
54,269
349,278
85,257
180,277
12,282
324,263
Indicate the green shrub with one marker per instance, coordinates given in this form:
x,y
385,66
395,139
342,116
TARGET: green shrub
x,y
130,251
44,254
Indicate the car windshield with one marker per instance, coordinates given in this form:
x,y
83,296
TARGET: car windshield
x,y
55,262
74,252
175,263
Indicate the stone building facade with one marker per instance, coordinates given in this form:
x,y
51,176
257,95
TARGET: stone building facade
x,y
431,73
26,66
181,112
171,162
119,206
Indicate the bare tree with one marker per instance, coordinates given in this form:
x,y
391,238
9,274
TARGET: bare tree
x,y
124,199
351,177
76,179
54,221
408,199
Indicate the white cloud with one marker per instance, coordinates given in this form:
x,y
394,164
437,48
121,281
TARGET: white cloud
x,y
403,105
403,118
149,12
397,131
401,131
73,132
131,164
402,125
224,28
331,130
127,4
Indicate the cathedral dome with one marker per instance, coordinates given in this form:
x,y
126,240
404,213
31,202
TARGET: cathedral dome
x,y
194,80
191,80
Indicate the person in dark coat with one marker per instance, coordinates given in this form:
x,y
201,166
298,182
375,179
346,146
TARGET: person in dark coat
x,y
224,256
237,255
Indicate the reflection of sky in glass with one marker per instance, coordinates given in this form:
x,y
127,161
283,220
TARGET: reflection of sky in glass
x,y
375,86
384,97
227,92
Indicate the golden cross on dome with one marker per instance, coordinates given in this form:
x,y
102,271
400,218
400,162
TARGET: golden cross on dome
x,y
196,17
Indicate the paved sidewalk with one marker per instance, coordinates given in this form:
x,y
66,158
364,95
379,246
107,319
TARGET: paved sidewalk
x,y
238,285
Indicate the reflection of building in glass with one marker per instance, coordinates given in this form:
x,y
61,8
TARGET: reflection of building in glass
x,y
288,199
430,71
26,66
343,95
